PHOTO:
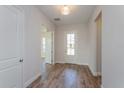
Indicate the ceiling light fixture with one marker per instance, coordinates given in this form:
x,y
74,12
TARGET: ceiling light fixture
x,y
65,10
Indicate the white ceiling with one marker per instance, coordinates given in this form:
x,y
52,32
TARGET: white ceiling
x,y
79,13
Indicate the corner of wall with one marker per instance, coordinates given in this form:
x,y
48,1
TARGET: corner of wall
x,y
94,73
92,40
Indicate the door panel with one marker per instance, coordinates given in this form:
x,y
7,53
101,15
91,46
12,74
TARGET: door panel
x,y
10,47
8,36
8,77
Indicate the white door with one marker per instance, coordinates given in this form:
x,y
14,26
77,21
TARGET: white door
x,y
10,47
70,47
48,53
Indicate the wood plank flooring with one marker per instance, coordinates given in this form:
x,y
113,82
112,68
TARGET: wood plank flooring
x,y
68,76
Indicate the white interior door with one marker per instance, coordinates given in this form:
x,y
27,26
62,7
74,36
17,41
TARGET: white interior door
x,y
10,47
48,53
70,47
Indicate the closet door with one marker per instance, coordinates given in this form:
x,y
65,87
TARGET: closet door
x,y
11,61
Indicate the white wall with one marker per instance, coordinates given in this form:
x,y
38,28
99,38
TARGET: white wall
x,y
113,46
92,32
32,52
81,43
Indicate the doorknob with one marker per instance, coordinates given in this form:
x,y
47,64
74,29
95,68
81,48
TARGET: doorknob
x,y
21,60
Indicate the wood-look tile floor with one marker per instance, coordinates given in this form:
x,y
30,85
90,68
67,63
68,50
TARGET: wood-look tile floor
x,y
68,76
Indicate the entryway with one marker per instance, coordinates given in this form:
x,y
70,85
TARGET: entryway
x,y
46,51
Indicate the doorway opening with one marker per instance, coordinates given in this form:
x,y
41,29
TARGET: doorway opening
x,y
46,50
70,47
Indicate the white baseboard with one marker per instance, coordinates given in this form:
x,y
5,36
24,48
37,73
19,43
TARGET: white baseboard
x,y
102,86
92,71
98,73
26,84
95,73
59,62
62,62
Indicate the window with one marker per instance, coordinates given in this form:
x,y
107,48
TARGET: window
x,y
71,44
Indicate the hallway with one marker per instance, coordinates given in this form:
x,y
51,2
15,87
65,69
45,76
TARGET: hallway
x,y
81,42
68,76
